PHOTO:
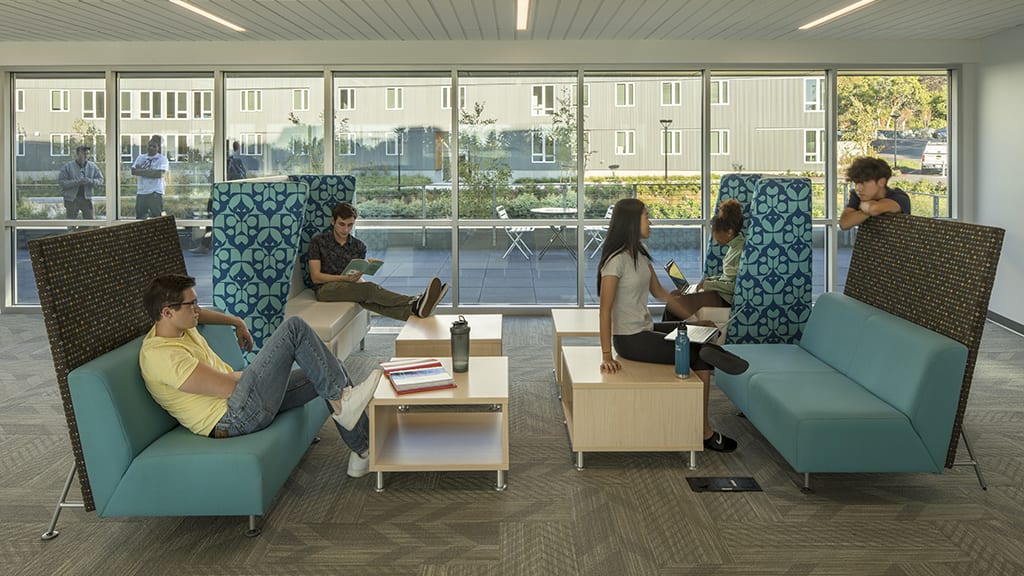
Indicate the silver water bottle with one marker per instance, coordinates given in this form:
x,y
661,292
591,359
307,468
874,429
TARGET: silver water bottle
x,y
460,345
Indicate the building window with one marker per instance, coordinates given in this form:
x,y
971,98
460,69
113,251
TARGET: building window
x,y
673,141
446,97
126,104
202,147
719,92
93,105
252,144
60,100
586,95
202,104
19,144
586,142
719,142
542,101
346,99
672,93
252,101
812,146
300,100
625,94
176,147
812,95
150,105
625,142
97,142
543,146
393,98
20,98
127,152
60,144
177,104
394,144
346,144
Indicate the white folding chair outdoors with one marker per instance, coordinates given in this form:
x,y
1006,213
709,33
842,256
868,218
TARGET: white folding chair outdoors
x,y
596,233
515,234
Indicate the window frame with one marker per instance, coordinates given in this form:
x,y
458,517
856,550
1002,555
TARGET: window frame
x,y
348,102
815,105
676,92
545,104
98,101
718,88
65,144
545,154
394,98
719,132
350,144
256,105
675,138
629,143
628,95
815,157
303,99
65,99
251,143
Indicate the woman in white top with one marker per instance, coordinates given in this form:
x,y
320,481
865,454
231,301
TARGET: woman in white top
x,y
625,277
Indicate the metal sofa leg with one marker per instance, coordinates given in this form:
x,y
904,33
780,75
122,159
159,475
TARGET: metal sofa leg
x,y
62,503
806,488
973,461
253,531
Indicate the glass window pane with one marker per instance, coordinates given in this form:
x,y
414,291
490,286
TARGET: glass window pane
x,y
901,118
276,138
59,115
166,108
400,158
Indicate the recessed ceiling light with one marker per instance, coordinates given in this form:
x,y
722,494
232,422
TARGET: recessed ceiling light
x,y
522,14
837,14
206,14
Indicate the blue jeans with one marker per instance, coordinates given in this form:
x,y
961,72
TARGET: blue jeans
x,y
270,386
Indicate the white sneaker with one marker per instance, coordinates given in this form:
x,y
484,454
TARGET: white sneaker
x,y
358,467
354,400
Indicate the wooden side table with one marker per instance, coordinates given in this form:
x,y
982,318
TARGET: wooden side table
x,y
572,322
641,408
431,336
405,440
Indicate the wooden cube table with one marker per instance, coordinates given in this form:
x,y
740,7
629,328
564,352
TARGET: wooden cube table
x,y
641,408
431,337
572,322
403,439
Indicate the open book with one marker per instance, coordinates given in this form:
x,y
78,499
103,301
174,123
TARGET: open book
x,y
698,334
417,375
368,266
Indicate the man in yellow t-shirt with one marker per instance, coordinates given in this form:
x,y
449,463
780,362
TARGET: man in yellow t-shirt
x,y
187,378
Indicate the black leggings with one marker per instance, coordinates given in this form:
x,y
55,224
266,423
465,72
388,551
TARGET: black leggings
x,y
651,346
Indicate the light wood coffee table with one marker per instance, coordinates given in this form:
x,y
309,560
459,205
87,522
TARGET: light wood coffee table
x,y
431,336
572,322
403,439
641,408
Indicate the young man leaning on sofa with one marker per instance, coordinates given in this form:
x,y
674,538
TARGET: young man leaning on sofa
x,y
187,378
330,253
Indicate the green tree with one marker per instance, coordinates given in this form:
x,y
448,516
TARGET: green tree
x,y
563,133
484,173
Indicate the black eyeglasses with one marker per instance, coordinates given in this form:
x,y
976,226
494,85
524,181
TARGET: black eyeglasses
x,y
193,303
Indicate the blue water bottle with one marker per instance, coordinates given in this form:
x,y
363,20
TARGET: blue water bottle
x,y
682,353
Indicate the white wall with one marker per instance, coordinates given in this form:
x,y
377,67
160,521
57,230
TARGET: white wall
x,y
1000,149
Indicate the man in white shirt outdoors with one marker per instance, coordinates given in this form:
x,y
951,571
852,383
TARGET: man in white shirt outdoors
x,y
150,169
78,180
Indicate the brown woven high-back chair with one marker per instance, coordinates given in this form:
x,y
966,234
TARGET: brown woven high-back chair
x,y
90,289
934,273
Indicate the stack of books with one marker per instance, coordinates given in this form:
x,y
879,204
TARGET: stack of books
x,y
417,375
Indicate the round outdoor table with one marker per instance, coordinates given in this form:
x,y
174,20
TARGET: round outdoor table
x,y
557,231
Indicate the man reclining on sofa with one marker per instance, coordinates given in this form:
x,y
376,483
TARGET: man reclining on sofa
x,y
187,378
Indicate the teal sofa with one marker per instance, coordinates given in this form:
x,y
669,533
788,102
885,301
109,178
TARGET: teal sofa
x,y
862,391
141,462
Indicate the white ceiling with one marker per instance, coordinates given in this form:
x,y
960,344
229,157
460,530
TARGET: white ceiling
x,y
398,20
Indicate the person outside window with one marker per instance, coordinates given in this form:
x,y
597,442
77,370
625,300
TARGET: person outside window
x,y
78,181
625,276
330,253
187,378
150,169
872,195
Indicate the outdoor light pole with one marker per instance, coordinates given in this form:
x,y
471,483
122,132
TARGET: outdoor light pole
x,y
895,142
400,140
664,140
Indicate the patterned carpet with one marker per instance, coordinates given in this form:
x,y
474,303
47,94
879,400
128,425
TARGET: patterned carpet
x,y
624,514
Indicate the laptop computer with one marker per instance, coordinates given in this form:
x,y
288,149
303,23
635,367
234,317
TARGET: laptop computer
x,y
677,277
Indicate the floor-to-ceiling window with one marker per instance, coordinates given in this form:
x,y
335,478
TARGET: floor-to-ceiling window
x,y
522,137
904,119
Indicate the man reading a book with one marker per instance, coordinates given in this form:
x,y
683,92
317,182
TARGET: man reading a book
x,y
330,254
187,378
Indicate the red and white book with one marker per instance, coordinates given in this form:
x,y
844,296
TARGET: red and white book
x,y
417,375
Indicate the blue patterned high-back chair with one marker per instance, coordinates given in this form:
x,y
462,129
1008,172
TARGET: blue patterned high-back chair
x,y
325,190
773,288
738,186
255,242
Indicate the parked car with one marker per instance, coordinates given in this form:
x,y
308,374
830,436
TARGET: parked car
x,y
935,156
941,134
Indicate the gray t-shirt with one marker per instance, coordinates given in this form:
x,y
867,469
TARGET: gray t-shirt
x,y
629,313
